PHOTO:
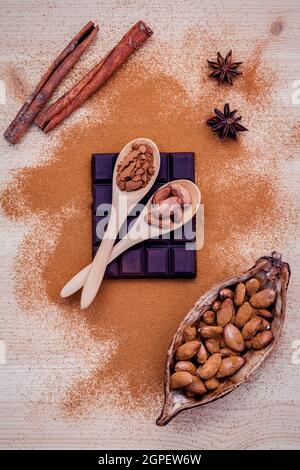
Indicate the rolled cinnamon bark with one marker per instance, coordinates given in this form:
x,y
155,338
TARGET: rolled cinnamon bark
x,y
96,77
49,82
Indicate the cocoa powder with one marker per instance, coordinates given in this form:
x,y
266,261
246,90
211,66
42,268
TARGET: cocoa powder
x,y
142,315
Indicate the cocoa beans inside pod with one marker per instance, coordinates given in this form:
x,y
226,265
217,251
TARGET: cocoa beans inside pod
x,y
180,379
226,312
229,366
252,327
233,338
186,366
239,294
189,333
212,345
216,305
197,386
243,315
212,384
202,354
226,294
210,367
270,271
188,350
263,298
210,331
252,286
209,317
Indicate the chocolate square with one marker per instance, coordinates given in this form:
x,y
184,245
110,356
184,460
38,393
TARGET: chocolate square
x,y
132,262
102,194
157,261
183,262
103,166
183,166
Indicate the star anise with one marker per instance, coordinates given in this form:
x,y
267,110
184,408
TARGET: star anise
x,y
224,68
226,124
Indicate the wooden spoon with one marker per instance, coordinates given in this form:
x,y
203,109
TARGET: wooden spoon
x,y
140,231
122,204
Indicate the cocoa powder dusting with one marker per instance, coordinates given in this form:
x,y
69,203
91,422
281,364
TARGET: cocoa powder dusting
x,y
141,315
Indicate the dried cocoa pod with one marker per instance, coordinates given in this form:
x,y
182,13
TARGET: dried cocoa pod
x,y
189,334
226,294
243,315
211,366
271,270
239,294
233,338
210,331
212,345
229,366
252,286
209,317
226,312
197,386
186,366
263,298
202,355
212,384
188,350
251,327
180,379
216,305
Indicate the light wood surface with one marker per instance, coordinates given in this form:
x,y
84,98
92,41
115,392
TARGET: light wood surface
x,y
265,413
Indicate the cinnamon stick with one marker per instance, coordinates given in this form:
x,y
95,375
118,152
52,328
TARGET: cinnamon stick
x,y
96,77
49,82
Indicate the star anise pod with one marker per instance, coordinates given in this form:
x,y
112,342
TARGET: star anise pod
x,y
224,68
226,123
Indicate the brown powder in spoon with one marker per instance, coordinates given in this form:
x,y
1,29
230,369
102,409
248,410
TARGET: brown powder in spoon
x,y
243,220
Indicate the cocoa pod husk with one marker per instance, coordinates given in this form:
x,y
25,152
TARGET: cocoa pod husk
x,y
270,270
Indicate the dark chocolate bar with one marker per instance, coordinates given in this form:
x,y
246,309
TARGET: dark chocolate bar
x,y
162,257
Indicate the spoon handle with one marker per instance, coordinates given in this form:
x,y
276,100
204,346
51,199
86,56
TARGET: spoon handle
x,y
77,282
98,266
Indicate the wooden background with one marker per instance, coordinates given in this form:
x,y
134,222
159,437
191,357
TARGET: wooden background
x,y
265,413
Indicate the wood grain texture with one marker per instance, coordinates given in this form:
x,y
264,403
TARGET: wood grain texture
x,y
264,413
